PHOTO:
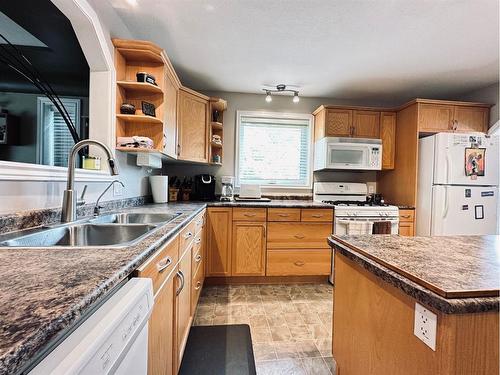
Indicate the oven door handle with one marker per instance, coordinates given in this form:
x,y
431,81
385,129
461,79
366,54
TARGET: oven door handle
x,y
343,221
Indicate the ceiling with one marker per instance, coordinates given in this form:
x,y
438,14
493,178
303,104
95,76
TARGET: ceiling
x,y
388,49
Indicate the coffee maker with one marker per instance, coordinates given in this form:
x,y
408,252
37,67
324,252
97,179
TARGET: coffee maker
x,y
227,193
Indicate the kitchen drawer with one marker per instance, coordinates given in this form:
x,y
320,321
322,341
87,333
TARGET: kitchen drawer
x,y
283,214
159,266
186,237
298,262
249,214
196,287
317,214
197,253
199,222
298,235
407,215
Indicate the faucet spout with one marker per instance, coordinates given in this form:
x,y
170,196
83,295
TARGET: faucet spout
x,y
68,212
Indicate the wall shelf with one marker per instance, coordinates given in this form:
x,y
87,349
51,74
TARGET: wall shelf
x,y
139,119
216,145
140,87
217,125
130,150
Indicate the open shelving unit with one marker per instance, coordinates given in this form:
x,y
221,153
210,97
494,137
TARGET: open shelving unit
x,y
131,57
216,128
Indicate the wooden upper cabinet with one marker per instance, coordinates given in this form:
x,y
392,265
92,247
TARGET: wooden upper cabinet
x,y
388,136
471,119
219,233
193,116
249,249
338,123
435,117
366,124
171,92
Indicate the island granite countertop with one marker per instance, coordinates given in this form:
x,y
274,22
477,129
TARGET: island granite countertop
x,y
46,291
458,274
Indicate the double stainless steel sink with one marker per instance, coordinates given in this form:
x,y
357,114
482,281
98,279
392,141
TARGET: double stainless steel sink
x,y
111,230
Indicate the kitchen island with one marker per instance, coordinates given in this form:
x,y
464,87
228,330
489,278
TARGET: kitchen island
x,y
379,280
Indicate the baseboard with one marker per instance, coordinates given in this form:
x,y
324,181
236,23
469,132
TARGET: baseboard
x,y
265,280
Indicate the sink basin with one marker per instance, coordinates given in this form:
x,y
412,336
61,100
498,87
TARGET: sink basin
x,y
83,235
134,218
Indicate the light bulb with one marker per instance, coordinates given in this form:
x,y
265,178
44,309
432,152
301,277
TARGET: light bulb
x,y
269,99
296,98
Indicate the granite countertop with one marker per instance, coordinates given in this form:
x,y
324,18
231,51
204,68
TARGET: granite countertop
x,y
45,291
274,203
456,274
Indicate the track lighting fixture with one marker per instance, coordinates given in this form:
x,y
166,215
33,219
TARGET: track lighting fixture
x,y
281,88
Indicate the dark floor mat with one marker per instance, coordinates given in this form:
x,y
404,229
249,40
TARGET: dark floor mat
x,y
219,350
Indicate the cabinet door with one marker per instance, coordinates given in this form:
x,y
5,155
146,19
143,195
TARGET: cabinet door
x,y
471,119
435,117
406,229
366,124
249,249
219,228
161,328
170,115
388,136
182,305
193,128
338,123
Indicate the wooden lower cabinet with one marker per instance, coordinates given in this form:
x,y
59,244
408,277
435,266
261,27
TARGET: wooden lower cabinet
x,y
298,262
298,235
407,222
406,229
182,306
248,249
219,233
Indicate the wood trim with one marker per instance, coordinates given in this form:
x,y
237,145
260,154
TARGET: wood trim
x,y
265,280
136,44
426,284
442,102
195,93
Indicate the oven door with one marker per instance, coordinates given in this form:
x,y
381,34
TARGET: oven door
x,y
347,156
360,225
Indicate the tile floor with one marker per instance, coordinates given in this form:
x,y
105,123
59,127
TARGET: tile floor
x,y
291,325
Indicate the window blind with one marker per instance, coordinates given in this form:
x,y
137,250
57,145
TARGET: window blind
x,y
274,151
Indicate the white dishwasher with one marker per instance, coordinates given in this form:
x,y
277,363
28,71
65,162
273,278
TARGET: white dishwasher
x,y
113,340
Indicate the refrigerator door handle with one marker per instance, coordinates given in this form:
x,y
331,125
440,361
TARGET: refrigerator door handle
x,y
446,203
448,166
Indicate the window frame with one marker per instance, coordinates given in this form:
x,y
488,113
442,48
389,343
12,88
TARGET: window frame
x,y
277,115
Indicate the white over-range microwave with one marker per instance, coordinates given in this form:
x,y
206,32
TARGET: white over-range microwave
x,y
348,153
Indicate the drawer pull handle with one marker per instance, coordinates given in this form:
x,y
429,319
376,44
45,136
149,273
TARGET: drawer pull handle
x,y
164,263
180,275
283,215
299,263
405,216
299,236
188,235
198,285
198,258
248,214
317,215
197,241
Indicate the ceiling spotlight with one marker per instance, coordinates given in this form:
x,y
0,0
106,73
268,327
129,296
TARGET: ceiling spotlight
x,y
280,89
269,99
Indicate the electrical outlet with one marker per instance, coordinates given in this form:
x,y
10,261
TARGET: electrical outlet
x,y
117,190
425,326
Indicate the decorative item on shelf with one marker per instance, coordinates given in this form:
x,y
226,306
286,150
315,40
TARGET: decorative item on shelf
x,y
217,139
216,159
148,109
127,109
135,142
281,88
215,115
91,162
146,78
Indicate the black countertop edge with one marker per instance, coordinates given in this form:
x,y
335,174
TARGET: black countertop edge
x,y
412,289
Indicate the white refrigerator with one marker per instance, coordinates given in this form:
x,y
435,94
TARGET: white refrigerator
x,y
458,180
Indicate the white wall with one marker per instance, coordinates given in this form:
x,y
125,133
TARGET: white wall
x,y
28,195
256,102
